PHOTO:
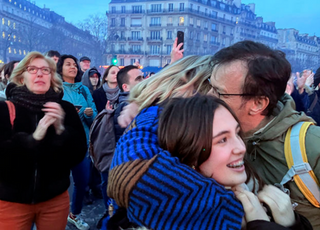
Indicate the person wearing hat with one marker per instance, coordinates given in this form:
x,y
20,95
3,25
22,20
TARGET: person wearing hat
x,y
91,79
84,66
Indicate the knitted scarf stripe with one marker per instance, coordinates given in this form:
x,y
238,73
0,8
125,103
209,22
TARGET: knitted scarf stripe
x,y
169,195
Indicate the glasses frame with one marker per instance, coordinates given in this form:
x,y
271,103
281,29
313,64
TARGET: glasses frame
x,y
37,68
229,94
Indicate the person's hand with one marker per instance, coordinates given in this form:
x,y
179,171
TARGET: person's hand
x,y
88,111
279,203
109,106
252,207
54,110
310,79
301,81
42,127
127,114
290,86
176,53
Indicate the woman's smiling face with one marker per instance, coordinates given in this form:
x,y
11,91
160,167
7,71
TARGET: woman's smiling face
x,y
225,163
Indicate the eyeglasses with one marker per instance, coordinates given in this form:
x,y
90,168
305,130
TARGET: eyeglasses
x,y
34,70
228,94
233,94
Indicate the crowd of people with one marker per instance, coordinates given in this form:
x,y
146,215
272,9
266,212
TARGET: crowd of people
x,y
208,142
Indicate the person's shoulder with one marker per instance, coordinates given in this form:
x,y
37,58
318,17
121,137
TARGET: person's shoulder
x,y
314,131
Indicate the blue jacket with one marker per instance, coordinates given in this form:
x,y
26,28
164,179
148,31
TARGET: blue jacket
x,y
161,193
79,95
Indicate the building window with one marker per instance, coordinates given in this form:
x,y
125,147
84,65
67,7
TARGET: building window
x,y
170,20
198,9
136,22
191,35
198,23
154,49
132,61
191,6
205,37
169,48
123,9
155,34
123,22
3,21
113,9
191,21
181,7
155,21
10,50
113,22
181,21
224,30
136,48
3,34
206,11
24,52
170,7
20,52
135,34
137,9
214,27
213,39
8,22
206,25
122,48
155,7
214,14
169,35
121,61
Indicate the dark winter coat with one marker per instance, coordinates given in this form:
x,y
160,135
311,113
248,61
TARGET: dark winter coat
x,y
34,171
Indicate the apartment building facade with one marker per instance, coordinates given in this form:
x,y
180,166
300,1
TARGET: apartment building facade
x,y
146,30
302,50
25,27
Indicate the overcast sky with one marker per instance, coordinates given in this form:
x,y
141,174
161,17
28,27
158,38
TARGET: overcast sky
x,y
302,15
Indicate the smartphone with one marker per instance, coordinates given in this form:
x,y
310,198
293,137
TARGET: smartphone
x,y
78,107
180,36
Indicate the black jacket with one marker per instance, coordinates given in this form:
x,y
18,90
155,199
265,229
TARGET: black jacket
x,y
100,99
122,102
35,171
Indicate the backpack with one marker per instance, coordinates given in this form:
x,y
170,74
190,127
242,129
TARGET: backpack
x,y
297,161
102,142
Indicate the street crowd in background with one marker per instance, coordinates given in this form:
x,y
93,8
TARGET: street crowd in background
x,y
223,141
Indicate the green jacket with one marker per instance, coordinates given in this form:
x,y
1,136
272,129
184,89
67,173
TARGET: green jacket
x,y
266,153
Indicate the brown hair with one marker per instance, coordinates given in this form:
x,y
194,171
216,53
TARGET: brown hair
x,y
186,126
105,74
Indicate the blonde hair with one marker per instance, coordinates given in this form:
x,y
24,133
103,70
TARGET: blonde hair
x,y
184,78
17,74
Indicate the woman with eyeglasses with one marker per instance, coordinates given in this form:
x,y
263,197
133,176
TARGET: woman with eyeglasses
x,y
41,139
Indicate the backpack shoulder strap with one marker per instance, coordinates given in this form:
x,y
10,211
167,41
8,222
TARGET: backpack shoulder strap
x,y
12,112
84,93
297,161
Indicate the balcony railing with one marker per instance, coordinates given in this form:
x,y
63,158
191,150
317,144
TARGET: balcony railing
x,y
136,25
215,43
135,39
169,24
153,24
154,39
